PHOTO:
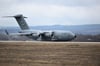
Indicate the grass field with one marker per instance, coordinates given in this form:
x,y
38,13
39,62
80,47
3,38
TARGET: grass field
x,y
49,53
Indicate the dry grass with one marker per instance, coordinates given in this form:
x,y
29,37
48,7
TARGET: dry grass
x,y
49,54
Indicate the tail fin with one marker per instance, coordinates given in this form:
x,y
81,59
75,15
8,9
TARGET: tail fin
x,y
21,21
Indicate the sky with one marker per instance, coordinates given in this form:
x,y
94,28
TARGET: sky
x,y
51,12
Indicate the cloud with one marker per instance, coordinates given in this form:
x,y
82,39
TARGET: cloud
x,y
64,2
45,12
52,11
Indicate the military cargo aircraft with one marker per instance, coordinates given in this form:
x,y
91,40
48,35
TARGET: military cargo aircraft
x,y
41,35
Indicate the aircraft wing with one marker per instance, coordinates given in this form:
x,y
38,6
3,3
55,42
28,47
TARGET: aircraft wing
x,y
22,34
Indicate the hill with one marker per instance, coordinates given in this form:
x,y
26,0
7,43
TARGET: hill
x,y
92,29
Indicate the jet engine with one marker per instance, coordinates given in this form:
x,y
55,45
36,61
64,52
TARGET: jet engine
x,y
46,36
35,36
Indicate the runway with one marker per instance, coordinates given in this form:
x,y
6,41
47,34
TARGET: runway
x,y
33,53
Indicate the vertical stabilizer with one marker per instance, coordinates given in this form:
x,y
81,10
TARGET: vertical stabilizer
x,y
21,21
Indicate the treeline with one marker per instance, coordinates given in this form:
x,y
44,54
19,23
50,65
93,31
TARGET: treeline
x,y
79,38
88,38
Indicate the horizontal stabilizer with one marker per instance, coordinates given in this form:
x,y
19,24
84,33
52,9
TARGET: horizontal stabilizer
x,y
12,16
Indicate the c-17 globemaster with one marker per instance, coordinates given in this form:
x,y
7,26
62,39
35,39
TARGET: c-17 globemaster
x,y
41,35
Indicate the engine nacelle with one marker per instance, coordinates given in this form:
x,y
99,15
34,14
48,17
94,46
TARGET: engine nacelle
x,y
46,36
35,36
